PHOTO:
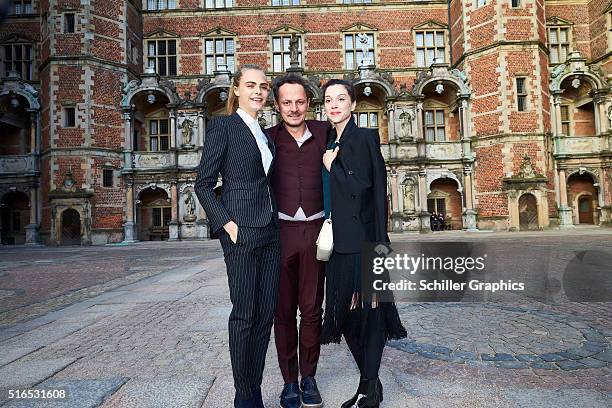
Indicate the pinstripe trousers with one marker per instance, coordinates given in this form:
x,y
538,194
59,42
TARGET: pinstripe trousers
x,y
253,270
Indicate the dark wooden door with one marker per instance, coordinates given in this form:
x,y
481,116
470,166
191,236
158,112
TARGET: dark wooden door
x,y
528,212
585,210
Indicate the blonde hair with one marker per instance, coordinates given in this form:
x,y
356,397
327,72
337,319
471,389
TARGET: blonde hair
x,y
232,100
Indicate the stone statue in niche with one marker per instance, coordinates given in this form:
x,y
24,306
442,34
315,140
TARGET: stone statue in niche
x,y
408,196
189,207
405,125
187,132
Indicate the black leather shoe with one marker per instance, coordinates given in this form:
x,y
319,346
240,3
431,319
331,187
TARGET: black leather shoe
x,y
362,390
311,398
290,397
372,397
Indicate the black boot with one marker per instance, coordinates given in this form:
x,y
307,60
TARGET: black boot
x,y
373,396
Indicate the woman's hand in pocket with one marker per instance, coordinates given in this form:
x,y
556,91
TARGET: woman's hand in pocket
x,y
232,230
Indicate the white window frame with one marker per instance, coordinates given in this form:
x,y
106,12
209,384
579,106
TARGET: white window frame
x,y
27,65
157,57
426,48
283,52
219,54
524,94
218,4
160,5
559,44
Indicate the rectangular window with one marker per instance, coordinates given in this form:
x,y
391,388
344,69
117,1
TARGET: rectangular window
x,y
285,2
69,20
19,7
433,125
516,3
281,58
437,205
219,51
161,4
161,216
366,119
565,120
18,57
162,56
216,4
558,44
69,117
159,135
354,46
430,48
107,178
521,95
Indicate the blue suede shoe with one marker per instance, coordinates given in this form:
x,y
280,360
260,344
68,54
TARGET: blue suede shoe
x,y
290,397
311,398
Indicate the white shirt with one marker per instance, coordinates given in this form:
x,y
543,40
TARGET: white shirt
x,y
260,138
300,215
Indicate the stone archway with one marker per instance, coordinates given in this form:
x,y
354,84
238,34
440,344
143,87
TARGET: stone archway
x,y
583,198
528,212
70,227
445,198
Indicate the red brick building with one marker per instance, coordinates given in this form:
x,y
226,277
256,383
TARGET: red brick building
x,y
495,112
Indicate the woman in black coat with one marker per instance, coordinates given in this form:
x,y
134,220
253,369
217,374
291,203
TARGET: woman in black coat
x,y
357,181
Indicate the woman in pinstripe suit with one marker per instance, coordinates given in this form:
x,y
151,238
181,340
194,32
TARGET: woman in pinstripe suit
x,y
245,219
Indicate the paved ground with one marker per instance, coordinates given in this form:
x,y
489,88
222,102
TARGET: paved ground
x,y
146,326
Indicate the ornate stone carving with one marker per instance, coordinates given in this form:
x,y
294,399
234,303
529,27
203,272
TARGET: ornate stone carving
x,y
527,171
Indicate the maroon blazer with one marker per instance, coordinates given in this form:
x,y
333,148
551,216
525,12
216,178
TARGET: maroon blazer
x,y
296,177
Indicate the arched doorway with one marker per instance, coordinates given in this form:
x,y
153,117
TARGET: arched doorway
x,y
71,227
528,212
154,215
15,216
585,209
582,194
445,199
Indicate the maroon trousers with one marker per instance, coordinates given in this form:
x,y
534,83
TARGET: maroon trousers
x,y
301,285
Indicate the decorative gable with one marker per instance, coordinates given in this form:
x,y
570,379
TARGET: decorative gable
x,y
286,29
161,33
359,27
431,25
558,21
219,32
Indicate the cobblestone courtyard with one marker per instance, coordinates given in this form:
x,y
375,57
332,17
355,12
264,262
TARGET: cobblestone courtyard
x,y
146,326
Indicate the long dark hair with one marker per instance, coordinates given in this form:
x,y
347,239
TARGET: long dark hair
x,y
232,99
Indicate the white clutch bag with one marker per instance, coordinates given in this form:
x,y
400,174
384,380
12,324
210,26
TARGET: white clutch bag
x,y
325,241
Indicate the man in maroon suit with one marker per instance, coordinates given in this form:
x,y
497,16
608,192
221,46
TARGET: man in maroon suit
x,y
296,181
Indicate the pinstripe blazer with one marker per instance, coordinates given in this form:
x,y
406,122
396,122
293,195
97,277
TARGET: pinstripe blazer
x,y
231,150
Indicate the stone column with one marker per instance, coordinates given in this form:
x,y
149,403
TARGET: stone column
x,y
201,125
597,111
173,141
33,138
129,228
128,146
469,215
423,213
174,224
419,119
565,212
393,134
32,229
396,216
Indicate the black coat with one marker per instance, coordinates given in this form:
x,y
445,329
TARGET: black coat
x,y
358,185
231,150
